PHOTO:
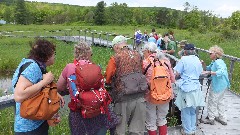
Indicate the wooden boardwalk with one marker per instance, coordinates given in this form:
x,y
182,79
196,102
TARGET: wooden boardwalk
x,y
232,109
232,102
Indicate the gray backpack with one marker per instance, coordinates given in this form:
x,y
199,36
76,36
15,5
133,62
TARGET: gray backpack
x,y
128,82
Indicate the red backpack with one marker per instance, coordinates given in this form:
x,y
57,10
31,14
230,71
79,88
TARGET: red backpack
x,y
87,88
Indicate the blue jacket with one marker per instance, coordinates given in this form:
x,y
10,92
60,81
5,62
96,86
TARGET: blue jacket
x,y
220,81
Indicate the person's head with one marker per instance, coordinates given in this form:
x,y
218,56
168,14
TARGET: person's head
x,y
82,51
166,35
160,55
139,31
153,30
216,52
145,32
149,48
42,51
182,43
119,42
189,49
150,35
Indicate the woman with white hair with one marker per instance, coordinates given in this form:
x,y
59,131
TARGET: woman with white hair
x,y
220,83
189,95
155,113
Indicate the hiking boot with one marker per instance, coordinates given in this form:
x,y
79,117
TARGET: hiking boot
x,y
220,121
208,121
183,133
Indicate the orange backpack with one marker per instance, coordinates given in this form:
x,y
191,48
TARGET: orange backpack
x,y
160,83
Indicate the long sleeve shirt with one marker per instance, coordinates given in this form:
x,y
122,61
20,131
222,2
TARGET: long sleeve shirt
x,y
220,81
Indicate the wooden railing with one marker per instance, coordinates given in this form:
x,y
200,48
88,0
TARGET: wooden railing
x,y
95,38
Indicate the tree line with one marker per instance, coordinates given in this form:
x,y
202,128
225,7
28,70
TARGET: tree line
x,y
25,12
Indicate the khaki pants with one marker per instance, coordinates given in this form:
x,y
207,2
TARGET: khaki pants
x,y
133,114
216,105
156,115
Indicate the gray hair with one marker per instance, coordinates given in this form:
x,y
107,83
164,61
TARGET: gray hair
x,y
160,55
82,50
150,46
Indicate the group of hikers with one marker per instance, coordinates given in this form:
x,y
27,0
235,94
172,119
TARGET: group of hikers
x,y
134,92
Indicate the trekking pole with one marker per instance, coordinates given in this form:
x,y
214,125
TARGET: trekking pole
x,y
208,87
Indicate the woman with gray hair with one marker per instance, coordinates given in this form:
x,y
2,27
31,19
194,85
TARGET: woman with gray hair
x,y
155,113
219,84
189,95
78,125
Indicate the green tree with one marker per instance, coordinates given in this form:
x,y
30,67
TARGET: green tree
x,y
89,17
21,12
7,14
99,14
193,18
118,14
235,20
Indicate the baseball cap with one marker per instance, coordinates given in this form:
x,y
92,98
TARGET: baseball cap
x,y
119,39
189,47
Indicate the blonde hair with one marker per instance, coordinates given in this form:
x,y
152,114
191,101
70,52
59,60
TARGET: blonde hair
x,y
82,50
218,51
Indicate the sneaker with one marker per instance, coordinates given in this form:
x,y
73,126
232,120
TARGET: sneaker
x,y
183,133
208,121
220,121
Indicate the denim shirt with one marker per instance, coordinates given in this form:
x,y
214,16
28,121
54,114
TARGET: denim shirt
x,y
189,68
220,81
33,74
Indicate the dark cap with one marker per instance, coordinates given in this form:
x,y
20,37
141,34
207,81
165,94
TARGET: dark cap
x,y
189,47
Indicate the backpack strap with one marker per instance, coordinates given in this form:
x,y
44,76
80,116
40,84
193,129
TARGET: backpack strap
x,y
148,66
147,69
21,69
154,63
24,66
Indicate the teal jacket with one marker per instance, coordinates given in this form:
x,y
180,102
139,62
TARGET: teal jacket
x,y
220,81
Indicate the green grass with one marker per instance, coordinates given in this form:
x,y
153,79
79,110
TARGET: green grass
x,y
7,121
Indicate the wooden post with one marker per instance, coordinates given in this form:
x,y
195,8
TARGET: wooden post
x,y
100,38
92,38
107,36
231,69
85,31
79,36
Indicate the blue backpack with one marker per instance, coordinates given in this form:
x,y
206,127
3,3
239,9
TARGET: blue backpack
x,y
138,38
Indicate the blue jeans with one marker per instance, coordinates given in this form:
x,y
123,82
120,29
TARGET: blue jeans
x,y
188,116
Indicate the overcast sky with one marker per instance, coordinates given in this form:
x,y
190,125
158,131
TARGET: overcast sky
x,y
222,8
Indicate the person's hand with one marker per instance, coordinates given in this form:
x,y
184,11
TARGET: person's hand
x,y
62,100
205,72
48,78
55,120
164,51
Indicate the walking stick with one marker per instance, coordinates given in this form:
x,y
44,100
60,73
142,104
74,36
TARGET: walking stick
x,y
208,86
